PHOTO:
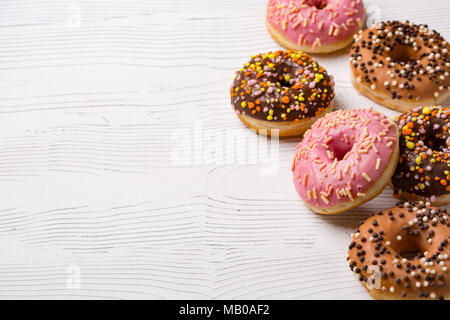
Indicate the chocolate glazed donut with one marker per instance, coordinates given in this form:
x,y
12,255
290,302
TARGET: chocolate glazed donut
x,y
423,170
283,90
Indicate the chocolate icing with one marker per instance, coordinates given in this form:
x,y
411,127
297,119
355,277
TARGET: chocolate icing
x,y
281,86
423,167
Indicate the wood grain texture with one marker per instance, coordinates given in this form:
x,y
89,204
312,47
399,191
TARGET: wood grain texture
x,y
121,161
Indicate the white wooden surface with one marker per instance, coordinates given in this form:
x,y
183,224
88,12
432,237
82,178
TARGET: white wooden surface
x,y
96,99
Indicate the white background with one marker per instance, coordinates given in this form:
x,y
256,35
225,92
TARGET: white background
x,y
95,99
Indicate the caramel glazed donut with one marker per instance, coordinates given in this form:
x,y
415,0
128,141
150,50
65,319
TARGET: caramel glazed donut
x,y
283,90
423,170
401,65
403,253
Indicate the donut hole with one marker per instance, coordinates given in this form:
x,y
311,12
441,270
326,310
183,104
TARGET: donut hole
x,y
409,248
318,4
411,255
435,142
283,75
340,147
285,83
341,151
402,55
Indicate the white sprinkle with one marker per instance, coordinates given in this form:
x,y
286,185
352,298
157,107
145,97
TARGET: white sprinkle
x,y
418,284
377,166
399,238
392,289
365,176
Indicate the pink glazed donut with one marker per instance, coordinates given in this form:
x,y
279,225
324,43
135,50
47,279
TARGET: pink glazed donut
x,y
345,160
314,26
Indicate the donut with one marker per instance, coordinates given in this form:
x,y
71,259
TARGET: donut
x,y
345,159
314,26
423,169
401,65
403,253
283,90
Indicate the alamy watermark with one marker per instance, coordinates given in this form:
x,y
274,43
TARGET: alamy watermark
x,y
373,13
73,21
374,281
73,281
196,146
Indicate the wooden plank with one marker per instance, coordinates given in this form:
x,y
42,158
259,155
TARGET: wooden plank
x,y
121,162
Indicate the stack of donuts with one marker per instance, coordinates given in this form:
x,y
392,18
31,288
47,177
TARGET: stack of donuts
x,y
348,156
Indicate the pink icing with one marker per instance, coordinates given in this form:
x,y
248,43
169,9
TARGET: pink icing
x,y
342,156
304,24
